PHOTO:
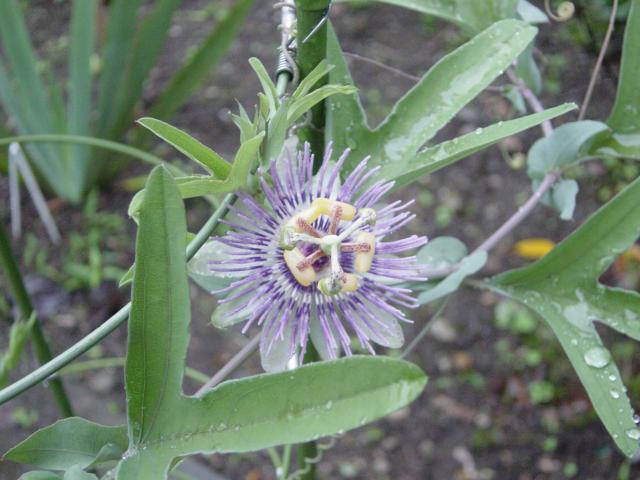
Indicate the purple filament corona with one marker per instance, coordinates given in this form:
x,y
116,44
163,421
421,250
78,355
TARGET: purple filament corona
x,y
266,293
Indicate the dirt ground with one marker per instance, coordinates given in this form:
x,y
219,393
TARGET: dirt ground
x,y
476,418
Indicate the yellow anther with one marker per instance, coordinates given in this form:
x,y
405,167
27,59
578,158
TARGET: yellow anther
x,y
293,258
307,216
363,260
349,283
328,207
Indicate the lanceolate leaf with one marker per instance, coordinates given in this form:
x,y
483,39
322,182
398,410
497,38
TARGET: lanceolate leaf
x,y
244,161
346,121
237,416
69,442
473,16
192,148
563,288
445,153
447,87
625,117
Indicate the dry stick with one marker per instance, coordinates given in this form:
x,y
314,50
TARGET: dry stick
x,y
596,69
231,366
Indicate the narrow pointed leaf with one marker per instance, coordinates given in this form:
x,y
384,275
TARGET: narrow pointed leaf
x,y
471,15
198,67
563,288
284,408
346,121
434,158
158,335
444,90
191,147
121,30
82,41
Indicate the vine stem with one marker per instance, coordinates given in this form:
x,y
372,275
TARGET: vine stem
x,y
21,297
55,364
596,68
547,182
231,366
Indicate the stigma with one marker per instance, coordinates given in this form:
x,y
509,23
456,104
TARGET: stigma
x,y
313,256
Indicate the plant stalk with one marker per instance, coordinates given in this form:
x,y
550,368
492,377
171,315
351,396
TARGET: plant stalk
x,y
308,451
312,49
21,297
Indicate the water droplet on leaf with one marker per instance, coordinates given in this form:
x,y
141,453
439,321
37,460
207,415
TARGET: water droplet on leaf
x,y
597,357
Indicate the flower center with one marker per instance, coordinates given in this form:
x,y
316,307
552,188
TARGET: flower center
x,y
306,249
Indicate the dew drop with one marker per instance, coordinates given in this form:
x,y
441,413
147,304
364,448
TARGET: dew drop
x,y
633,433
636,418
478,131
597,357
329,405
613,378
614,394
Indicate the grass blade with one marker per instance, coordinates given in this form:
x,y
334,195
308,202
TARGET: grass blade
x,y
83,32
195,70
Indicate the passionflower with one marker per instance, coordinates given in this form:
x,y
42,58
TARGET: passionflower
x,y
314,261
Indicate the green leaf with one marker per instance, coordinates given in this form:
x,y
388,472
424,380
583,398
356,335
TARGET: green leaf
x,y
189,146
39,475
562,197
18,336
200,269
527,70
566,145
452,282
443,91
240,415
314,76
473,16
346,120
159,298
439,156
563,288
144,53
530,13
617,145
121,30
284,408
301,105
198,185
69,442
625,116
442,252
198,67
268,87
77,473
24,92
82,42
